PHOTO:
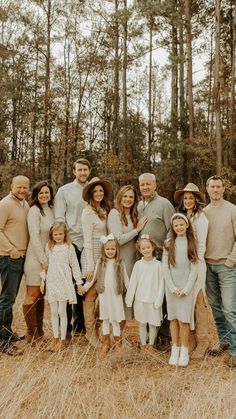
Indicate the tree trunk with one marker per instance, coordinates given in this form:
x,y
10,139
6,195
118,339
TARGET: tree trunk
x,y
150,94
124,74
217,89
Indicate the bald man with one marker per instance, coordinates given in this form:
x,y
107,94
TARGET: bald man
x,y
13,243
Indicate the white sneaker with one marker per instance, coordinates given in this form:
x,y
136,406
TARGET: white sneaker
x,y
183,357
174,357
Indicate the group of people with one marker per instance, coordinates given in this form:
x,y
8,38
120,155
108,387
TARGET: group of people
x,y
137,259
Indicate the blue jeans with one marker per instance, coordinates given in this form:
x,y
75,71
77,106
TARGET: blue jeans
x,y
11,271
221,293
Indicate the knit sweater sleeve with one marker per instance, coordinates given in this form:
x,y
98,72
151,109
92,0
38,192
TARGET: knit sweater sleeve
x,y
132,287
74,264
231,259
167,273
34,221
115,226
161,289
191,279
200,230
168,211
60,205
4,242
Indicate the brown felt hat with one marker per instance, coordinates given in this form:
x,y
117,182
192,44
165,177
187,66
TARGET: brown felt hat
x,y
190,187
107,186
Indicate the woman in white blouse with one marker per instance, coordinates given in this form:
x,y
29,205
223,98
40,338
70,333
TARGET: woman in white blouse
x,y
94,224
191,201
40,218
123,223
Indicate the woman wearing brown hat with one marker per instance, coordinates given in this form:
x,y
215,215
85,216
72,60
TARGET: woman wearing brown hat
x,y
191,201
94,225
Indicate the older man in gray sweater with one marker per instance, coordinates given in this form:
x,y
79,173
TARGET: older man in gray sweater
x,y
221,266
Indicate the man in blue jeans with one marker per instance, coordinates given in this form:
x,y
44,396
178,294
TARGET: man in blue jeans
x,y
13,244
221,267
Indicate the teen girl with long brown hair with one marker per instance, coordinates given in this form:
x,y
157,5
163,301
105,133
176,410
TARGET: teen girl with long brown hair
x,y
180,273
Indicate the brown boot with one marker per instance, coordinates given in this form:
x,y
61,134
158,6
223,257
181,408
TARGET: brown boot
x,y
118,343
201,328
39,317
192,341
29,311
105,344
53,345
90,323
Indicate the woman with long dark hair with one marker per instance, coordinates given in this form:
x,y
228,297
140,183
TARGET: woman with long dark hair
x,y
40,218
191,201
94,224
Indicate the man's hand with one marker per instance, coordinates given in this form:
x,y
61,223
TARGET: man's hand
x,y
15,254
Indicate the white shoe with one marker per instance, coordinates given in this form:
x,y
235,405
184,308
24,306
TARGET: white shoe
x,y
183,357
174,357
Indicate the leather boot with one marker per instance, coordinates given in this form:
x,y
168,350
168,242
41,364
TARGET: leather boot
x,y
39,317
201,320
29,311
118,343
192,341
105,344
53,345
90,323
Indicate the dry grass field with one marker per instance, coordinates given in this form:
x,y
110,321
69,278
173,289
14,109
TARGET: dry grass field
x,y
80,383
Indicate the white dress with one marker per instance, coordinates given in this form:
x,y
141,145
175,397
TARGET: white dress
x,y
146,288
111,306
62,264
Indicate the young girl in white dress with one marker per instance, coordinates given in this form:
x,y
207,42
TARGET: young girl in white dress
x,y
146,289
62,264
180,273
111,281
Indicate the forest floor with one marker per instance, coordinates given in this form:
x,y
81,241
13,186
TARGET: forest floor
x,y
80,383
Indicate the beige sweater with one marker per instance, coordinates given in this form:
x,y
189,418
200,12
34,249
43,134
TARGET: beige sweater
x,y
221,238
13,225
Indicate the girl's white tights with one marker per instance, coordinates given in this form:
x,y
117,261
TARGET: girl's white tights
x,y
58,310
106,328
143,333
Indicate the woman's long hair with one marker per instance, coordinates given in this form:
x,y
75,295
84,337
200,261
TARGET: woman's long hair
x,y
198,207
103,209
133,209
170,244
34,195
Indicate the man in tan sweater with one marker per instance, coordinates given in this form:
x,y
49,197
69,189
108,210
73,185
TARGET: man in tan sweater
x,y
13,244
221,266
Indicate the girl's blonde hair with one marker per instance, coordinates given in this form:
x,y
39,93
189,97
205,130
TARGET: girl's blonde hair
x,y
58,225
170,243
117,257
119,268
156,247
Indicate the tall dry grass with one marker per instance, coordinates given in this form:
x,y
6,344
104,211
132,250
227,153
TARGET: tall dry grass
x,y
80,383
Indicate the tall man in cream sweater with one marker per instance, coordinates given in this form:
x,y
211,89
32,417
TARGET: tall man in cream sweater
x,y
221,266
13,243
68,207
